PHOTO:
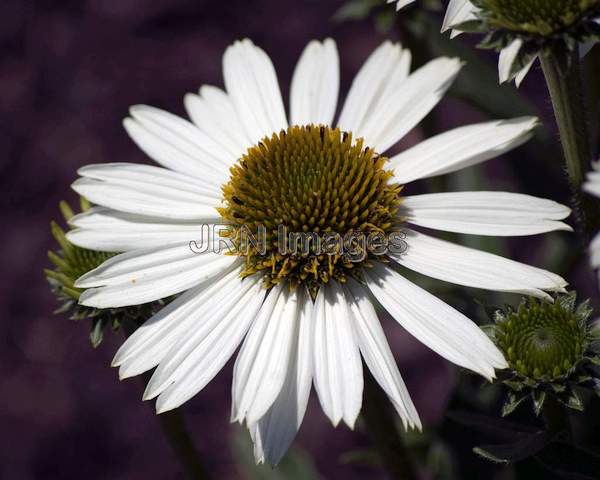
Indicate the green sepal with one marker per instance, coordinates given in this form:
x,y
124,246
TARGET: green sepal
x,y
558,387
57,261
539,396
511,403
573,401
594,360
70,262
514,385
97,331
66,210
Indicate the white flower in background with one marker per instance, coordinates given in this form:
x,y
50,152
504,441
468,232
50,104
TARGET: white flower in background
x,y
525,20
244,161
592,186
460,11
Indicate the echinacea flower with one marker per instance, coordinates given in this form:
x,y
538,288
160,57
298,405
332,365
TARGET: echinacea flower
x,y
305,317
551,349
521,30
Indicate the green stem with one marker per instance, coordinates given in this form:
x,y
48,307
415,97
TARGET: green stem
x,y
173,426
555,416
563,77
380,421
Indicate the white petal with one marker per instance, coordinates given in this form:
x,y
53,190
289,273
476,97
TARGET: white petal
x,y
401,3
595,252
507,58
461,148
337,366
473,268
133,173
383,72
485,213
377,354
149,344
315,85
434,323
275,431
592,183
458,11
506,61
197,357
524,71
175,143
145,275
146,190
585,48
110,230
213,112
262,364
252,85
408,105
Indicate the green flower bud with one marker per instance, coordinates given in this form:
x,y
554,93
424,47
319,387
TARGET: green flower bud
x,y
69,263
550,348
538,17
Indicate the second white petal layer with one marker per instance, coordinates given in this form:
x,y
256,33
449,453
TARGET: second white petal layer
x,y
434,323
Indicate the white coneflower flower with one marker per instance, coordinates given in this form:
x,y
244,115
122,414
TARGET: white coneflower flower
x,y
301,318
592,186
524,27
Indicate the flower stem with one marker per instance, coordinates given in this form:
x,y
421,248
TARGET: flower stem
x,y
380,422
173,427
555,416
563,77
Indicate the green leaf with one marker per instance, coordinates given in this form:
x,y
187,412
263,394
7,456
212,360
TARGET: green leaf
x,y
488,425
524,447
488,456
355,10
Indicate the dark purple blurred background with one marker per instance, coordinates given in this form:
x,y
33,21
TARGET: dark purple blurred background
x,y
68,72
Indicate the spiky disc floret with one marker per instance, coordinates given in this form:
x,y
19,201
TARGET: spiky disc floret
x,y
543,341
550,348
71,262
308,179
